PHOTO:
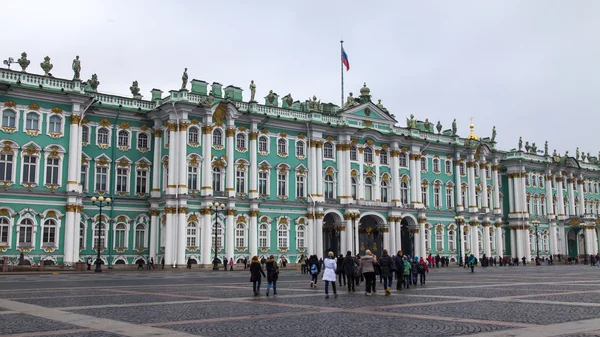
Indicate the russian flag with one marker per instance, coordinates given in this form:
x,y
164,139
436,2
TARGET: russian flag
x,y
345,59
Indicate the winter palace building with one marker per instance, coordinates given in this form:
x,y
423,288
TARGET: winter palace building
x,y
294,177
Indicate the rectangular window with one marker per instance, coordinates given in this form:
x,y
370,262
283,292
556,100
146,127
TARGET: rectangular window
x,y
300,186
193,178
81,237
141,182
25,235
101,178
122,179
439,240
29,168
281,185
424,195
449,198
84,177
240,182
49,235
52,168
262,183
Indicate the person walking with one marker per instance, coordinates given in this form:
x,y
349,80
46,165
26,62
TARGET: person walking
x,y
348,267
329,275
421,268
303,264
399,264
472,262
388,267
367,265
340,270
272,274
407,268
189,263
89,263
314,269
230,264
255,275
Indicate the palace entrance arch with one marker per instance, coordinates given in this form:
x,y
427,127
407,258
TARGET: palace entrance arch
x,y
407,236
332,224
370,234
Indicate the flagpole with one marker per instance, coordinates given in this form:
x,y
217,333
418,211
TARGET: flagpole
x,y
342,72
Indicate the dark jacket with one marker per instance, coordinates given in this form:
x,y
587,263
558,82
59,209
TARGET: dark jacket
x,y
387,265
348,265
272,270
315,261
339,265
399,262
256,271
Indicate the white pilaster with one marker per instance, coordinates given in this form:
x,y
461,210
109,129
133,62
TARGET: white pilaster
x,y
487,248
207,238
230,175
550,204
349,238
420,202
181,233
253,190
474,239
415,184
571,191
206,188
527,245
361,172
182,163
395,168
483,185
169,240
511,194
342,181
514,249
471,180
74,157
253,233
173,141
310,240
377,183
157,165
312,170
581,196
319,230
153,249
519,243
458,186
496,191
499,242
392,236
422,244
229,232
552,237
69,234
76,246
319,170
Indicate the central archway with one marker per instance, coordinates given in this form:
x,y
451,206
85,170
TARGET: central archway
x,y
332,225
407,237
370,234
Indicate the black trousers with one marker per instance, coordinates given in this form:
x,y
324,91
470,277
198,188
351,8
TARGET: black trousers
x,y
342,276
369,281
350,282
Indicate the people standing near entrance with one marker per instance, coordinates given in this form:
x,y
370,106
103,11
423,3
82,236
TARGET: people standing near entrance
x,y
245,263
340,270
388,267
225,263
329,268
230,263
151,263
272,275
189,263
89,263
314,269
406,269
348,268
367,265
421,269
472,263
255,275
303,264
162,263
399,263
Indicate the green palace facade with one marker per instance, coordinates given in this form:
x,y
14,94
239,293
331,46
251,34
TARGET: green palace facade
x,y
294,177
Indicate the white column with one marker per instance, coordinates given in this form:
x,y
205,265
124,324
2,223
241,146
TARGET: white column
x,y
68,234
319,229
156,164
422,244
511,194
169,247
173,140
499,242
229,231
487,247
392,236
398,234
417,242
230,174
420,201
496,187
514,249
319,171
342,181
474,240
581,196
563,245
312,170
253,191
182,159
206,237
253,233
549,202
153,249
471,180
344,240
181,233
560,201
552,237
395,176
376,182
571,191
519,243
349,238
310,240
76,246
524,196
527,245
483,183
347,166
361,172
458,187
74,159
206,188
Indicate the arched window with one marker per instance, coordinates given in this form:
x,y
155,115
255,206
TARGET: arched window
x,y
26,233
281,146
263,143
49,235
448,164
4,230
404,192
385,187
402,159
193,135
123,139
240,235
534,181
353,187
436,165
368,155
329,186
368,189
99,236
219,236
55,124
263,236
9,119
439,239
328,150
423,163
120,233
33,121
353,153
217,137
140,236
217,179
282,237
383,157
82,236
192,235
102,136
85,134
451,240
301,237
240,141
142,140
300,149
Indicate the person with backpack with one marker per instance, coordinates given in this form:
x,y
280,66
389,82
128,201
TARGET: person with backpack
x,y
272,275
388,267
348,268
255,275
399,264
472,263
329,274
406,269
421,268
314,270
413,270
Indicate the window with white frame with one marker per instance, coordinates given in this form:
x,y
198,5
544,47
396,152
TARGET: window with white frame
x,y
300,185
122,179
402,159
328,150
534,180
30,169
404,192
527,181
369,189
240,181
219,236
52,171
463,195
385,188
123,138
329,186
353,185
449,197
192,177
282,236
140,236
217,137
451,240
353,155
6,167
448,167
300,149
436,165
301,237
263,236
120,233
84,177
263,177
32,122
193,136
85,134
427,240
142,140
282,146
26,233
282,184
437,196
368,155
488,172
49,234
141,181
81,236
439,239
240,235
425,194
240,141
55,124
101,178
424,164
217,183
263,144
102,136
463,168
4,230
192,235
9,119
383,157
476,169
478,196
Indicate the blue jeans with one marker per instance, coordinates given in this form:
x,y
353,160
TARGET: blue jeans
x,y
414,278
327,287
274,283
387,282
256,286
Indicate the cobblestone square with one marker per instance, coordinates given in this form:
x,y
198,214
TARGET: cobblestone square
x,y
498,301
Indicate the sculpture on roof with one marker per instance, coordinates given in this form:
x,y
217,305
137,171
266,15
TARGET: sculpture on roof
x,y
252,91
93,82
350,101
493,134
23,61
76,66
554,153
454,127
289,100
546,148
314,105
520,143
271,97
380,106
412,122
577,153
46,66
583,156
533,148
527,147
427,125
135,90
184,79
439,127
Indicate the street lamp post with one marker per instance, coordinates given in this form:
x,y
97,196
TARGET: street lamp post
x,y
460,220
99,202
354,215
216,208
536,224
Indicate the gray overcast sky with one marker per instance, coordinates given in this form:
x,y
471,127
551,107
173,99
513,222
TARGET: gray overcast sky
x,y
528,67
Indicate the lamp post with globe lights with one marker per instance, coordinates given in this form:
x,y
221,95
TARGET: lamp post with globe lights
x,y
216,208
100,202
460,220
354,215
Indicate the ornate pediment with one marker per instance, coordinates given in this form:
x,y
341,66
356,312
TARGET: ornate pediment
x,y
368,111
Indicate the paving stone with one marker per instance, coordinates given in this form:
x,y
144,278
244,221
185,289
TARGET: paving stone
x,y
85,334
21,323
114,298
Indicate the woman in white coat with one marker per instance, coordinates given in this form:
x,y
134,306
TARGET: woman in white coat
x,y
329,274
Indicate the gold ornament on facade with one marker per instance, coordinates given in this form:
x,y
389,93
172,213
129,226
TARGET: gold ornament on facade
x,y
10,104
104,122
154,212
301,136
33,106
57,110
75,119
123,163
253,213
